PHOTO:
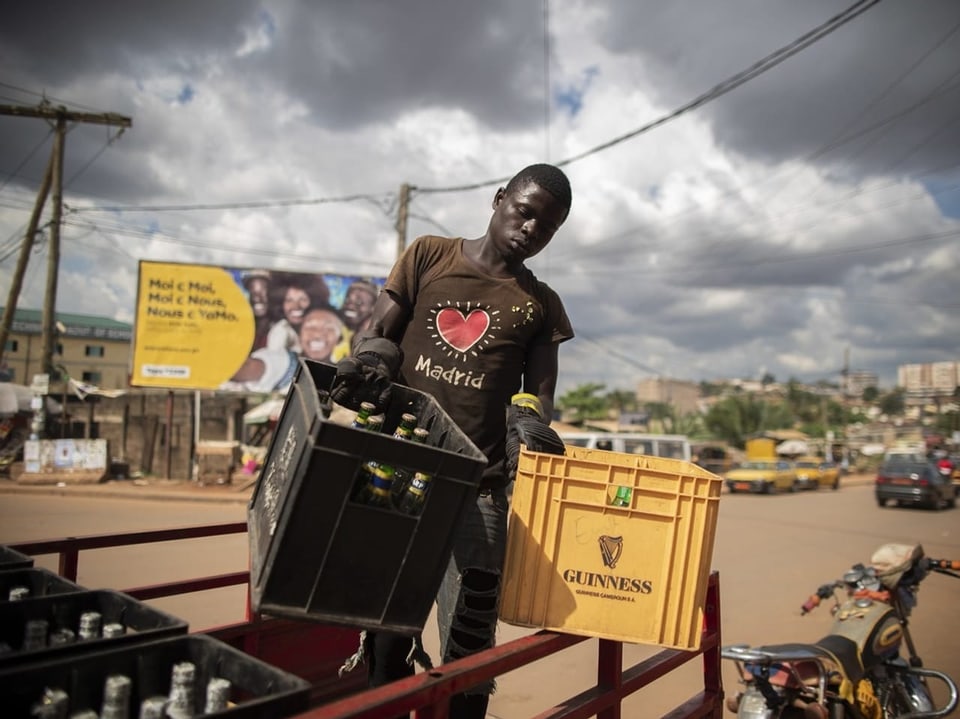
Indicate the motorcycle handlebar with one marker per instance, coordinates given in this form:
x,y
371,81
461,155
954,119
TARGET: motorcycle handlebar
x,y
824,592
943,563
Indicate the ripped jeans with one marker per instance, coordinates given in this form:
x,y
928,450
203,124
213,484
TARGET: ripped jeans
x,y
467,600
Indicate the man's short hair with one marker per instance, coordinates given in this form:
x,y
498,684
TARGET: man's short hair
x,y
549,177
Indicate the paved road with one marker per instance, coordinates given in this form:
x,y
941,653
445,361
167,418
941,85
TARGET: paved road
x,y
771,552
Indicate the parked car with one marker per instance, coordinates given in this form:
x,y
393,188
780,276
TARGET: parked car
x,y
762,476
909,482
816,472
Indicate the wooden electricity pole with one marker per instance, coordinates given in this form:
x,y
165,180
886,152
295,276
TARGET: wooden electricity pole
x,y
53,176
402,209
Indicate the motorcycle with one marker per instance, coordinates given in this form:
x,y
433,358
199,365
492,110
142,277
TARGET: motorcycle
x,y
858,670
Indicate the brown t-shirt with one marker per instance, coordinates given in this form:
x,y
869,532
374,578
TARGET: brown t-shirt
x,y
467,339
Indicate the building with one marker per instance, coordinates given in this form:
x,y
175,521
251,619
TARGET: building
x,y
682,395
933,379
95,350
857,381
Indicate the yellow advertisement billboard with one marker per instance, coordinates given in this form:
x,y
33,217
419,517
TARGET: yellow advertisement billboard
x,y
243,329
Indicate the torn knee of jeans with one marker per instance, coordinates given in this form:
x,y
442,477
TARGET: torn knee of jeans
x,y
481,581
474,622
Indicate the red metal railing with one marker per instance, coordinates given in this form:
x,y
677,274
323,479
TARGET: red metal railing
x,y
293,647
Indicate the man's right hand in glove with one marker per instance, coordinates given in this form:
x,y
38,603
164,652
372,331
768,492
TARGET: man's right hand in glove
x,y
367,375
526,426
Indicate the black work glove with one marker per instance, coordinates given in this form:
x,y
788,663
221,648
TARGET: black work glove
x,y
368,374
525,426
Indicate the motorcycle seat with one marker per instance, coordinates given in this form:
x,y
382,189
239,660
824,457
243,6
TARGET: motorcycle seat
x,y
846,652
789,663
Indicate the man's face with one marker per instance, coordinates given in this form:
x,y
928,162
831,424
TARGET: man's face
x,y
524,221
357,305
319,334
258,296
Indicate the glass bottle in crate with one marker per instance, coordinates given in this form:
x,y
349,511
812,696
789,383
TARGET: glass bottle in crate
x,y
55,704
90,623
183,678
116,697
372,423
154,707
363,416
381,477
218,695
405,430
414,493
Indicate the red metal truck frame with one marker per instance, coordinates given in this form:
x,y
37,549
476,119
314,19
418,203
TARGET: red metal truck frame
x,y
296,647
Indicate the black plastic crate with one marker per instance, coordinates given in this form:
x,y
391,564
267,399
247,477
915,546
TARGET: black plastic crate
x,y
12,559
258,690
317,555
40,583
62,611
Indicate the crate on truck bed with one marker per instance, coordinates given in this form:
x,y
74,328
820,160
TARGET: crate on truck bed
x,y
33,582
12,559
316,553
257,690
60,617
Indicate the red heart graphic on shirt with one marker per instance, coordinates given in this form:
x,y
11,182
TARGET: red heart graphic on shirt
x,y
461,332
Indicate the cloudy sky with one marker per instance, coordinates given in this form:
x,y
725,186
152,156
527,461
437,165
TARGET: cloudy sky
x,y
760,186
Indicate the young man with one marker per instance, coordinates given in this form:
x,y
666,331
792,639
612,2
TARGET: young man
x,y
468,323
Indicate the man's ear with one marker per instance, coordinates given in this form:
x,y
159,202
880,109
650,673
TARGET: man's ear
x,y
498,198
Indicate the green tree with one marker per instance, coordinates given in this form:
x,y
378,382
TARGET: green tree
x,y
585,402
767,379
870,394
736,418
711,389
892,403
622,400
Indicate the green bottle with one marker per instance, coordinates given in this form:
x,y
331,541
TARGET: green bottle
x,y
408,423
405,430
363,416
622,498
370,423
414,493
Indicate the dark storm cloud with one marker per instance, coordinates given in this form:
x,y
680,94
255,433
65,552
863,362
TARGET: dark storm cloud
x,y
899,61
352,63
365,62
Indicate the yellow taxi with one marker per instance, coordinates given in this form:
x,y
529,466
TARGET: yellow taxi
x,y
762,476
816,472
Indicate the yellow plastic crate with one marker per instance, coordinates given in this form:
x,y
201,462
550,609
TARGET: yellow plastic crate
x,y
577,564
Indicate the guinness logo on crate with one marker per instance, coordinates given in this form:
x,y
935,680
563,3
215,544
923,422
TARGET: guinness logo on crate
x,y
610,549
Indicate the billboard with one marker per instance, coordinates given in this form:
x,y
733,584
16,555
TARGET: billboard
x,y
242,329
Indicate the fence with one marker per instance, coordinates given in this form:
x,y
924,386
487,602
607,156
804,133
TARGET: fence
x,y
316,651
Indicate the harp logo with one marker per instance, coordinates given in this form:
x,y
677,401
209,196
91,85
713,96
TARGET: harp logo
x,y
610,549
608,586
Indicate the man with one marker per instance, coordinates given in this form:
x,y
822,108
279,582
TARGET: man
x,y
473,307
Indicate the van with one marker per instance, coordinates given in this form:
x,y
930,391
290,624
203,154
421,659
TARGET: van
x,y
671,446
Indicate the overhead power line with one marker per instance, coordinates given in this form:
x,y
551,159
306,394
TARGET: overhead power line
x,y
731,83
722,88
375,198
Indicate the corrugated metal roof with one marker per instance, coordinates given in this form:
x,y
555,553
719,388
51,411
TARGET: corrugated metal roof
x,y
30,322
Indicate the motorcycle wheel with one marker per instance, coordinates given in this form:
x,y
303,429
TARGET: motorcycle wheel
x,y
905,694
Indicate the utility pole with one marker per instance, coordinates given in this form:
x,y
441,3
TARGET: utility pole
x,y
54,176
53,254
402,210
